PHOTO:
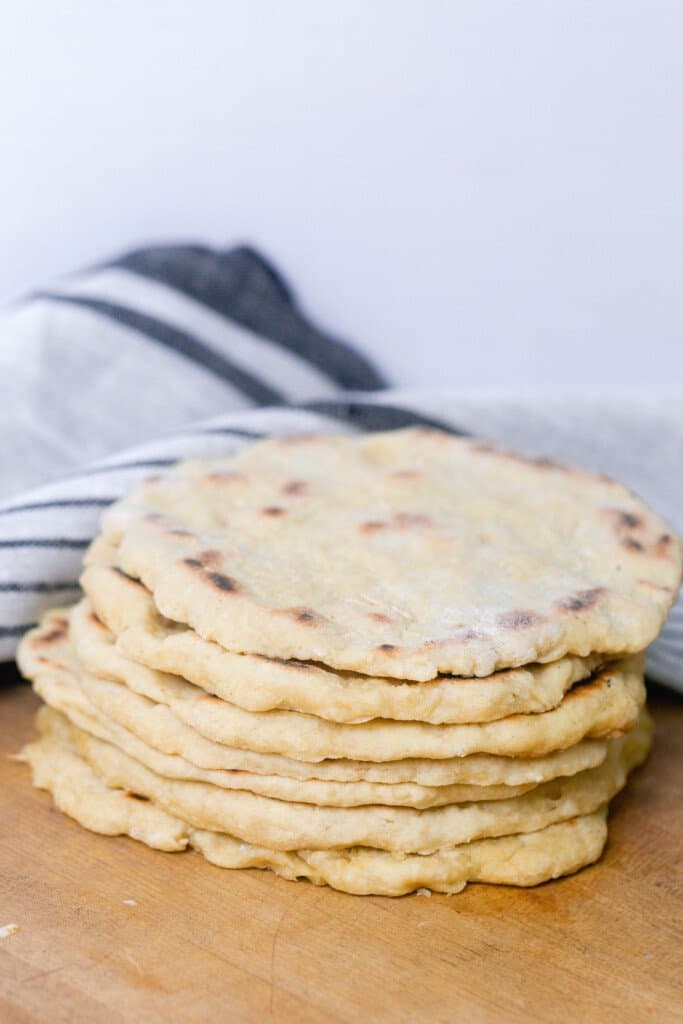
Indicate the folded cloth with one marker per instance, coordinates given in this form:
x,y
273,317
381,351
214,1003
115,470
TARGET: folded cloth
x,y
151,344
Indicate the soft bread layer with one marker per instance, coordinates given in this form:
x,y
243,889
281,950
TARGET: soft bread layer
x,y
47,658
605,705
65,695
279,825
513,860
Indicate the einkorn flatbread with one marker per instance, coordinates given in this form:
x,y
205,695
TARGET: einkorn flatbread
x,y
258,683
525,859
59,687
404,554
607,704
280,825
45,656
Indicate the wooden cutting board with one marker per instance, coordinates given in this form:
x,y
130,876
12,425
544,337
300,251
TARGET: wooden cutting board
x,y
111,931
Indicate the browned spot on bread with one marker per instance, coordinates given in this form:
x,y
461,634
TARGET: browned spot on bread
x,y
518,619
663,545
629,520
273,510
295,487
307,616
624,522
379,617
304,615
137,796
57,631
224,583
126,577
581,599
387,648
193,563
209,559
94,618
203,563
372,526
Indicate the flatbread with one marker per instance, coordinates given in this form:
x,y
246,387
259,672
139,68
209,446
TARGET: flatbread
x,y
515,860
279,825
606,705
603,707
522,860
45,656
403,554
61,690
259,683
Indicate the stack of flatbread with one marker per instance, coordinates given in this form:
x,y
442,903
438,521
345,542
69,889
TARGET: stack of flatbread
x,y
387,663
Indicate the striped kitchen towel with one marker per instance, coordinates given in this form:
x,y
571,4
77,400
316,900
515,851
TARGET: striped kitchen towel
x,y
179,351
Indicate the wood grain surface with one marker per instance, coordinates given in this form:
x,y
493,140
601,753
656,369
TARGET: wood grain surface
x,y
111,931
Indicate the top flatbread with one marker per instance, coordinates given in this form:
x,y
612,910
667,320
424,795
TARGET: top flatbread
x,y
403,554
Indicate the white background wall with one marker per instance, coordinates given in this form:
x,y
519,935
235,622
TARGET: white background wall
x,y
486,194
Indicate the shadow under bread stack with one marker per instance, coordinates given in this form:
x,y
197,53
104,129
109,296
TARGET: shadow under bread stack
x,y
384,663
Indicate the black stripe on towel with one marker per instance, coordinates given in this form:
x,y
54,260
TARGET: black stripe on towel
x,y
8,631
178,341
32,506
42,542
248,435
372,416
242,286
36,588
